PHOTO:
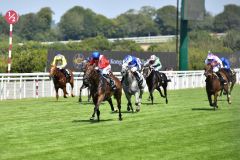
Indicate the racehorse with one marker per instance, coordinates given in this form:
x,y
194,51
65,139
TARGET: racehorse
x,y
100,90
213,85
85,83
130,87
155,80
60,81
232,78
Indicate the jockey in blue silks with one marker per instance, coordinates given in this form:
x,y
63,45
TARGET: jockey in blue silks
x,y
227,65
134,64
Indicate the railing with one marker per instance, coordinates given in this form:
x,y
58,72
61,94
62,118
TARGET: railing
x,y
34,85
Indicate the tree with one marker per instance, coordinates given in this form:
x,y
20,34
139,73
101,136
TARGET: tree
x,y
132,24
206,24
166,20
79,23
148,11
232,40
229,19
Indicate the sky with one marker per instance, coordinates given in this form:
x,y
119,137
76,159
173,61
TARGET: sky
x,y
108,8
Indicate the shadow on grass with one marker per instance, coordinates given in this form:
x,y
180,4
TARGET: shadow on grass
x,y
150,103
203,109
128,112
85,102
91,121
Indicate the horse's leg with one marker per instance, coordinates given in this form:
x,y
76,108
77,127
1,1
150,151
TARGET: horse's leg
x,y
210,99
118,95
160,91
228,92
137,102
95,99
100,99
215,100
151,95
64,92
129,104
57,96
80,94
89,94
72,85
111,104
165,93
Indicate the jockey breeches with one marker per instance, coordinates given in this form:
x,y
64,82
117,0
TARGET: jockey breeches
x,y
105,70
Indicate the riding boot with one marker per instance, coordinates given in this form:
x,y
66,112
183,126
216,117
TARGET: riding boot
x,y
139,79
65,73
111,81
222,80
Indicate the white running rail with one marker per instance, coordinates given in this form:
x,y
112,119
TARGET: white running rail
x,y
35,85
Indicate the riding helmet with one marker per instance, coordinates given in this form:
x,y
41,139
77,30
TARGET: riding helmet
x,y
95,55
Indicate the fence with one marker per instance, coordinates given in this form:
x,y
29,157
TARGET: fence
x,y
35,85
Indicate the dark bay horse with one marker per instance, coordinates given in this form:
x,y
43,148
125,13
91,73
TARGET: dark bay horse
x,y
101,90
60,81
85,83
155,80
214,86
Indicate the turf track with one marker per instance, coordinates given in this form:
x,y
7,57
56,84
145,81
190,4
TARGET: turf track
x,y
186,128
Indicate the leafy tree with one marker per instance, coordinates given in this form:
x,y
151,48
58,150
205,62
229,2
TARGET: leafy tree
x,y
166,20
78,23
206,24
45,19
148,11
132,24
127,46
229,19
232,40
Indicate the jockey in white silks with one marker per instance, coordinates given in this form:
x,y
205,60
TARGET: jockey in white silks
x,y
216,63
153,62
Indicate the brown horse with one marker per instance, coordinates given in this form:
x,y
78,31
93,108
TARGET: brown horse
x,y
60,81
232,78
213,85
155,80
100,90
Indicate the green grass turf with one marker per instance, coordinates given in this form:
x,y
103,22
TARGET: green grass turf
x,y
186,128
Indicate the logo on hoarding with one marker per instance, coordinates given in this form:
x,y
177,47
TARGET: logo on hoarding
x,y
78,60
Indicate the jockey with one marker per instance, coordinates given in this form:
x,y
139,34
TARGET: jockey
x,y
61,62
134,64
227,66
154,63
103,65
216,63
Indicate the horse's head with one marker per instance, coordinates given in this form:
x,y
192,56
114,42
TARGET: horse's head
x,y
146,71
53,70
124,69
89,71
208,70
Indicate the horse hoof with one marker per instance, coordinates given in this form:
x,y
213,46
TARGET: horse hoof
x,y
92,118
230,102
115,111
128,109
137,110
120,119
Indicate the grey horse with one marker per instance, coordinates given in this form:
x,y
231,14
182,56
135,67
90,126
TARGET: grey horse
x,y
130,87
